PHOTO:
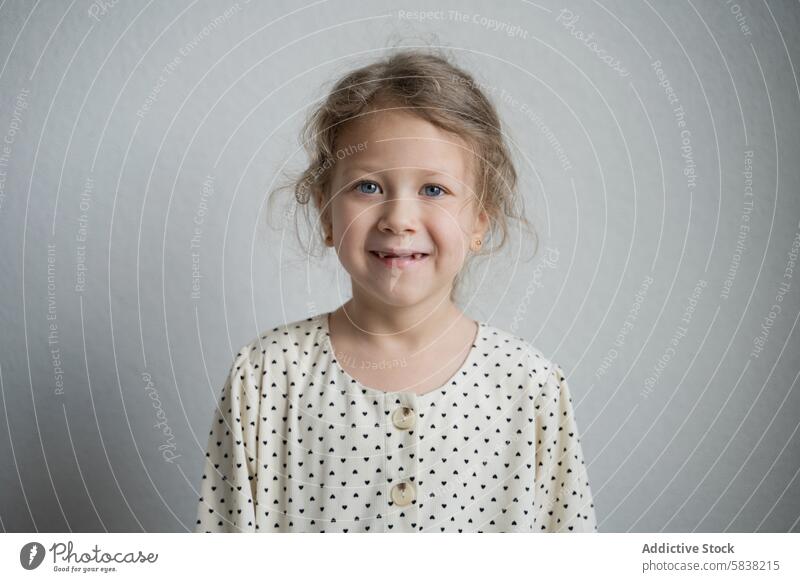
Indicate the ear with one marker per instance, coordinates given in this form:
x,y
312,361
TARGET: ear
x,y
481,224
323,208
482,220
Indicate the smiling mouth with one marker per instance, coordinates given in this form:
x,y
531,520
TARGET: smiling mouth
x,y
390,260
415,256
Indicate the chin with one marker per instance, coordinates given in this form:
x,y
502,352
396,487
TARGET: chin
x,y
400,297
397,295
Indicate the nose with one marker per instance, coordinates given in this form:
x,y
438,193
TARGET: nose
x,y
399,214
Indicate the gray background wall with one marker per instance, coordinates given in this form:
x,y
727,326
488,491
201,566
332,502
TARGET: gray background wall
x,y
127,125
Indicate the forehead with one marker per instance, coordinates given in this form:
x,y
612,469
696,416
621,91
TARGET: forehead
x,y
385,140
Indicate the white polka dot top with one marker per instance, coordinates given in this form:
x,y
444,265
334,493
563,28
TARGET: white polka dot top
x,y
298,445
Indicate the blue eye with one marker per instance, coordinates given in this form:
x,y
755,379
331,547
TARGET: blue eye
x,y
369,187
433,189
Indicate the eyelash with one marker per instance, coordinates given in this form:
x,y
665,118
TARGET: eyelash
x,y
444,190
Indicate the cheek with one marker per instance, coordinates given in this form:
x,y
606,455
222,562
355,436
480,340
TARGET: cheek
x,y
341,216
449,238
350,225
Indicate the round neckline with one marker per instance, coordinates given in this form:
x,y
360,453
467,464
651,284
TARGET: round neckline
x,y
465,365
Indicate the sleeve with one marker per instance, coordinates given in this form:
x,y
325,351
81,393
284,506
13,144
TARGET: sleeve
x,y
563,498
228,487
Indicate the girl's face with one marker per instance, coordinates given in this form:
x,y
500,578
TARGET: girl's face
x,y
402,207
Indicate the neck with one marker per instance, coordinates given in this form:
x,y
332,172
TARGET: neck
x,y
402,329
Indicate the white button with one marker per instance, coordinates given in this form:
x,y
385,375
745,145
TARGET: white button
x,y
404,418
402,493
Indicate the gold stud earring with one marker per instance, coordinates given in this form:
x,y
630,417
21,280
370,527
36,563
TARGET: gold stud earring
x,y
478,243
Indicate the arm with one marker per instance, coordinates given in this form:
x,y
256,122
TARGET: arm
x,y
563,498
228,487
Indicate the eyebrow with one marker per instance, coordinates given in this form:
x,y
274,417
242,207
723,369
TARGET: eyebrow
x,y
365,170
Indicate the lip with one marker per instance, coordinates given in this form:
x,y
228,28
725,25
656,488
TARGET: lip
x,y
399,262
399,251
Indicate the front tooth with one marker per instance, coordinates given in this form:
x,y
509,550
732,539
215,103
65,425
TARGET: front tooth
x,y
417,256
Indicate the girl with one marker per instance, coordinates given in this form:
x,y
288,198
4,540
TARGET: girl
x,y
396,412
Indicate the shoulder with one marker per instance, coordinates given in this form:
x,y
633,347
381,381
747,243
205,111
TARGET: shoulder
x,y
281,341
505,346
512,361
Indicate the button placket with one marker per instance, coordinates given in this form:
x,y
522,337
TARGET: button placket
x,y
401,462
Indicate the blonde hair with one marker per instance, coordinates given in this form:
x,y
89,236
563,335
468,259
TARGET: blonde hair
x,y
430,86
